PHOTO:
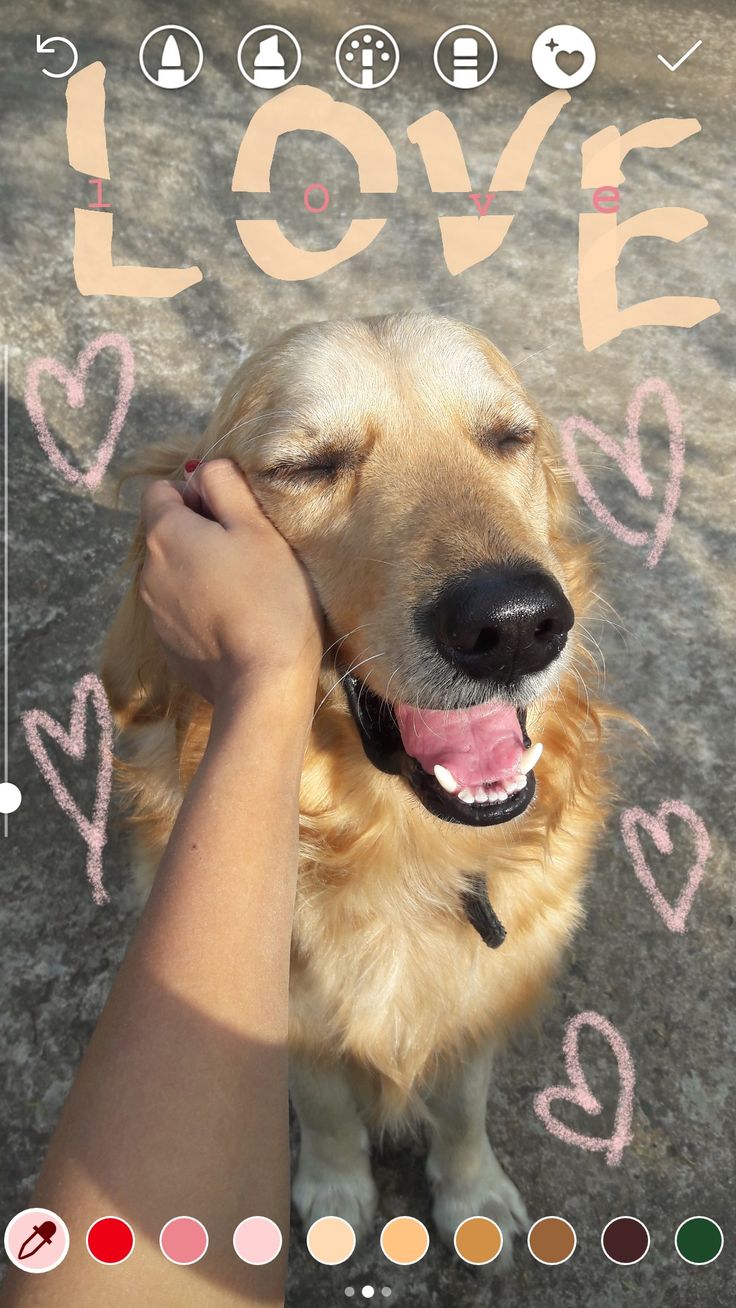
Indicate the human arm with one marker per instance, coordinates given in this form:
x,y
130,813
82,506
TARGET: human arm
x,y
180,1104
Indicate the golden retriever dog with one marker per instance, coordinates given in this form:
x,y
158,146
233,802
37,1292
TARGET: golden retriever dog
x,y
442,852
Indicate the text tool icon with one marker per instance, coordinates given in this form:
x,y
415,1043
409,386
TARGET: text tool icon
x,y
171,57
269,56
36,1240
367,56
465,56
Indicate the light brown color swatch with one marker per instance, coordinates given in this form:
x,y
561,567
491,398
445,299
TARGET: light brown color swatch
x,y
552,1240
478,1240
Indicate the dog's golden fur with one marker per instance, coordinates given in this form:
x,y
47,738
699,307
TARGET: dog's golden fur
x,y
387,974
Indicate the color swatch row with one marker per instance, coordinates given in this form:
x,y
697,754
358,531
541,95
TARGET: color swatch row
x,y
37,1240
551,1240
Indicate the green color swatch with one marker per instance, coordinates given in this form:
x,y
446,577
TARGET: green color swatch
x,y
699,1240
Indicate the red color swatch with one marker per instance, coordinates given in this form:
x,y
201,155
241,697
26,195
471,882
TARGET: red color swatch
x,y
110,1240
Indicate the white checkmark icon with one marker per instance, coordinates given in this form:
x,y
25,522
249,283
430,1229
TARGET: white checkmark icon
x,y
681,60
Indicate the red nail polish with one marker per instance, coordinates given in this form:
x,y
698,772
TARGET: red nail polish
x,y
191,464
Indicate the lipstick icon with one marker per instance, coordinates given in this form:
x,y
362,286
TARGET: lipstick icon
x,y
40,1236
171,73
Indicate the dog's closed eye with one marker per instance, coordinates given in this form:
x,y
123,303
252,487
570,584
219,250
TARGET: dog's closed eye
x,y
323,471
512,437
504,436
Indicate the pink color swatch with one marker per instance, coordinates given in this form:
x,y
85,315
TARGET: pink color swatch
x,y
184,1240
257,1240
579,1092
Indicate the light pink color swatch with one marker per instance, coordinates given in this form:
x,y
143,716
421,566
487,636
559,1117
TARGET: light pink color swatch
x,y
74,744
578,1091
75,384
257,1240
674,916
629,459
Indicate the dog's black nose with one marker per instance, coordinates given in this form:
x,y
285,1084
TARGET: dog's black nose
x,y
501,623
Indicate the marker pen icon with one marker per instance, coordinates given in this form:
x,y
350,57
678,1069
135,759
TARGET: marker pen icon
x,y
40,1236
269,65
269,56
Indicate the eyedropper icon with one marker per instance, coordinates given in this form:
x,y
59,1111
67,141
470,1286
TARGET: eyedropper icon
x,y
41,1236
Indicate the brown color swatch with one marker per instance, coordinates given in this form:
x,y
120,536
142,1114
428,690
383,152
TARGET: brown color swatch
x,y
552,1240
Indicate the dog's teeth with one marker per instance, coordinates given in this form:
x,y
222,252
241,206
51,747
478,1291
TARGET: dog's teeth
x,y
446,779
494,797
466,796
481,797
516,783
530,757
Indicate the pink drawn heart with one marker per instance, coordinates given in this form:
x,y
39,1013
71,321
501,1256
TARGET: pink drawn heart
x,y
579,1092
673,917
75,383
74,744
628,457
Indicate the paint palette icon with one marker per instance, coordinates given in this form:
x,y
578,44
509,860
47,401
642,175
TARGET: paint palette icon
x,y
367,56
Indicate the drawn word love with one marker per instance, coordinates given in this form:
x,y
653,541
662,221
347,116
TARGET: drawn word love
x,y
467,239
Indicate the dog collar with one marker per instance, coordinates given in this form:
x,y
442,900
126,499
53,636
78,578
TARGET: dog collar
x,y
477,909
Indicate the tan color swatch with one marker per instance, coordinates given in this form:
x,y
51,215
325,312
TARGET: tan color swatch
x,y
331,1240
404,1240
478,1240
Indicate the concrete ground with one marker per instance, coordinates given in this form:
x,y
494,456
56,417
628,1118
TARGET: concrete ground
x,y
668,653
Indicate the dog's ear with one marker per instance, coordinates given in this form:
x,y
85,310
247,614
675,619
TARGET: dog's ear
x,y
575,555
134,670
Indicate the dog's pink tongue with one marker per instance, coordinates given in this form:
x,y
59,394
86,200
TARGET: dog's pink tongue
x,y
477,745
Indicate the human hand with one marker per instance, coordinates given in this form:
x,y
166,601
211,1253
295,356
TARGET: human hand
x,y
231,603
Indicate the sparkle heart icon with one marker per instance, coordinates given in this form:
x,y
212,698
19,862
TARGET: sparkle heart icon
x,y
75,383
578,1091
674,916
569,61
628,457
89,689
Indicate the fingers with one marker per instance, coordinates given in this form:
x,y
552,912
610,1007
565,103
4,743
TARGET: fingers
x,y
218,489
158,500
